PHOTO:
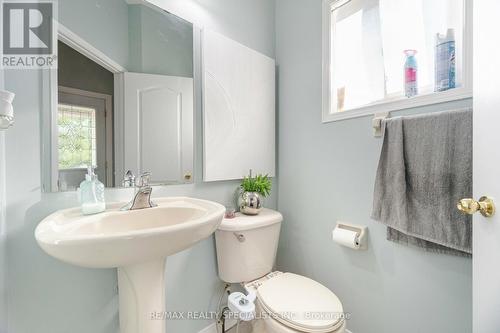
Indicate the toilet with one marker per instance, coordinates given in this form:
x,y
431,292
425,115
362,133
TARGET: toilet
x,y
286,302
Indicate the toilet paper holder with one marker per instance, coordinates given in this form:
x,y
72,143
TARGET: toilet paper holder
x,y
361,239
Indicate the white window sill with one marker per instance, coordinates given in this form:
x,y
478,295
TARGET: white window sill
x,y
401,103
73,169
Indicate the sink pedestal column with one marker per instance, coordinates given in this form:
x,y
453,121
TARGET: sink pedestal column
x,y
141,290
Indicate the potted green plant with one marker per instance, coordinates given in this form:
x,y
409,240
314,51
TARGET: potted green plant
x,y
253,189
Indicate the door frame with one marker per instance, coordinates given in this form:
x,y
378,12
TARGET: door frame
x,y
108,116
50,89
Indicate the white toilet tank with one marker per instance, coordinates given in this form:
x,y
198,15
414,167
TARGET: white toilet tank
x,y
247,245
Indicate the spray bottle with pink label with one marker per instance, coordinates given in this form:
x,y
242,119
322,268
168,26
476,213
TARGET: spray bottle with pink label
x,y
410,72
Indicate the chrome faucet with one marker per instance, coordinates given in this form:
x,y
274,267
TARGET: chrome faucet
x,y
142,198
128,179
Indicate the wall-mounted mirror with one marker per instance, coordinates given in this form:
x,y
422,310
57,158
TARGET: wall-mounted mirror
x,y
121,98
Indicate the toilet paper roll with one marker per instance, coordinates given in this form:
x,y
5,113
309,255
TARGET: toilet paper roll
x,y
346,237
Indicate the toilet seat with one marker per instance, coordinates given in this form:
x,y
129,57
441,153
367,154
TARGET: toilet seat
x,y
300,303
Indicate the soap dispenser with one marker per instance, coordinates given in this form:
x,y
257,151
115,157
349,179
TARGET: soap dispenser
x,y
92,194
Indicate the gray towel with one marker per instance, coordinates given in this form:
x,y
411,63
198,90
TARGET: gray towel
x,y
425,167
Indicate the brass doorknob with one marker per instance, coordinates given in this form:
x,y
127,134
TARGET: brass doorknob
x,y
485,206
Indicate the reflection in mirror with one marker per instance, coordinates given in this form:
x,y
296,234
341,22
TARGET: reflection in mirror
x,y
124,107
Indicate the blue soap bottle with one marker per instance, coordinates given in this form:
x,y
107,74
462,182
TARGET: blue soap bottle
x,y
92,194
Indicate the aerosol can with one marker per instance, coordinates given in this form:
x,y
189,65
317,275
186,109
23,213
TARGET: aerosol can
x,y
445,61
410,73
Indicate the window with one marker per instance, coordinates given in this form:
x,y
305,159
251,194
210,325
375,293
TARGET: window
x,y
363,54
77,136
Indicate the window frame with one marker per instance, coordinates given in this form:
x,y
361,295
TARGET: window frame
x,y
399,102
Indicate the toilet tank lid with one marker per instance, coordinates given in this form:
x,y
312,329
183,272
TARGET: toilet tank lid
x,y
247,222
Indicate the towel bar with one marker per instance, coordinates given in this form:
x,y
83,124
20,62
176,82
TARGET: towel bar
x,y
377,123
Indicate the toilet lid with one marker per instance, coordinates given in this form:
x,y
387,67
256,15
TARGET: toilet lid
x,y
301,303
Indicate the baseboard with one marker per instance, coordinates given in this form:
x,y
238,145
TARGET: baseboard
x,y
212,328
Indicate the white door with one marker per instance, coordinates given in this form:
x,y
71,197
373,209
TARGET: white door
x,y
486,250
156,125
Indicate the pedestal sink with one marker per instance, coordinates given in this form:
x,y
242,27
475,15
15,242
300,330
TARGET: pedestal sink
x,y
137,242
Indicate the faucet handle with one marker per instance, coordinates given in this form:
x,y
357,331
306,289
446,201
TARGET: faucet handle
x,y
144,179
128,179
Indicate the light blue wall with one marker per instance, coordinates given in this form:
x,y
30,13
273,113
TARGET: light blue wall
x,y
252,19
326,173
3,243
104,24
3,246
47,296
160,43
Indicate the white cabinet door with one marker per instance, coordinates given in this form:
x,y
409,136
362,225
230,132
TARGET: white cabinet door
x,y
238,109
486,253
156,127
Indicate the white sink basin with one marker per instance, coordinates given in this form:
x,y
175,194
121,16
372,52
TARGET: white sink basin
x,y
117,238
137,242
